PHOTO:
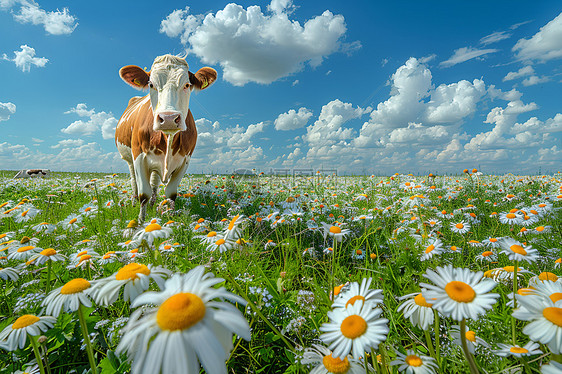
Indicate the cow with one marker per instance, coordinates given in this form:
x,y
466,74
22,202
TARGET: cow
x,y
33,173
156,134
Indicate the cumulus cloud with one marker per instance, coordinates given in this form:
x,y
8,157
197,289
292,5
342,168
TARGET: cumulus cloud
x,y
94,122
293,120
25,58
54,22
545,45
6,110
523,72
253,46
464,54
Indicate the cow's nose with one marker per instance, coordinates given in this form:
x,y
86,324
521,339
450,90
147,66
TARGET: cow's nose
x,y
169,118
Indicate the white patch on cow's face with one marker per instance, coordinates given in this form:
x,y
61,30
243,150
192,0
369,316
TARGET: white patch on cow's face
x,y
170,90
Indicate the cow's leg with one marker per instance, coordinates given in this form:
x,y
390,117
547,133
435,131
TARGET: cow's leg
x,y
154,184
142,175
133,182
171,190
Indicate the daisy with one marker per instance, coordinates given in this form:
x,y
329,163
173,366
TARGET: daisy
x,y
44,256
505,273
133,278
108,257
234,228
69,297
14,336
472,340
10,273
417,310
151,232
511,218
46,227
491,242
460,227
488,256
412,363
72,222
130,229
326,364
26,214
335,231
552,367
529,349
459,293
78,257
187,326
210,238
23,252
354,329
221,245
5,236
433,249
516,252
354,292
542,229
166,247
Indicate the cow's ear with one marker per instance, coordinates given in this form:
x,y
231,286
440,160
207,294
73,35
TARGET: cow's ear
x,y
203,78
134,76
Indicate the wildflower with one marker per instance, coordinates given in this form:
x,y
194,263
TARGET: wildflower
x,y
434,248
23,252
505,273
234,228
326,364
221,245
130,229
69,297
511,218
14,336
151,232
335,231
46,227
552,367
459,293
46,255
516,252
472,340
354,329
108,257
488,256
542,229
166,247
89,210
491,242
5,236
210,238
529,349
460,227
133,278
10,273
417,310
354,292
187,326
412,363
72,222
26,214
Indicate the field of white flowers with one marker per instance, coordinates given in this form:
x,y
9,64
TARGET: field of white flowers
x,y
268,274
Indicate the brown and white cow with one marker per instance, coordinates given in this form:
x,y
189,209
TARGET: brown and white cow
x,y
156,134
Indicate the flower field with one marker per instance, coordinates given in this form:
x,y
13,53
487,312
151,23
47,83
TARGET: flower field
x,y
270,274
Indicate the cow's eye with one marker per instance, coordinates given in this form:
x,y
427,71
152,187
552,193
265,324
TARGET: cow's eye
x,y
187,86
150,85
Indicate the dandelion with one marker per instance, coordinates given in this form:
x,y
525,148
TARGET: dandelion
x,y
354,329
187,326
133,278
326,364
412,363
529,349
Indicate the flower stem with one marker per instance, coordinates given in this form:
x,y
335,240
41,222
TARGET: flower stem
x,y
429,343
89,350
37,354
437,338
48,285
513,329
375,361
469,358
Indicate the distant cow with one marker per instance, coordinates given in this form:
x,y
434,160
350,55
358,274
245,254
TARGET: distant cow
x,y
156,134
33,173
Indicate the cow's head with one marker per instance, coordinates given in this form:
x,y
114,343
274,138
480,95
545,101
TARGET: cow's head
x,y
170,83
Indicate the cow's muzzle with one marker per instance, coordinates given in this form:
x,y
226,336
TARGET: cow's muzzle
x,y
168,122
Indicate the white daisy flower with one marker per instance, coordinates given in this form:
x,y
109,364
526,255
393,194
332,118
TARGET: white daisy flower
x,y
417,310
135,278
26,214
46,227
69,297
326,364
529,349
460,227
459,293
511,218
412,363
14,336
10,273
23,252
149,233
221,245
552,367
472,340
72,222
516,252
335,231
354,329
187,327
354,292
44,256
433,249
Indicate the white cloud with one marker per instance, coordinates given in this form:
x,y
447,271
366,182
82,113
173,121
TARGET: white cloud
x,y
532,80
523,72
252,46
293,120
54,22
545,45
36,140
94,122
66,143
451,103
464,54
495,37
6,110
25,58
240,138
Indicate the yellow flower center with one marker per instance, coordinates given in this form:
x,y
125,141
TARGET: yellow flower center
x,y
233,221
493,240
540,228
75,286
291,199
48,252
212,234
84,258
518,350
518,249
420,300
430,248
353,326
413,360
180,311
131,271
510,215
470,335
335,230
152,227
336,365
72,221
545,275
553,315
23,214
26,248
460,292
24,321
132,223
354,299
459,226
487,253
220,242
556,296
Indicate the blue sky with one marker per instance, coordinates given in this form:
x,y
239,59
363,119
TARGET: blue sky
x,y
359,86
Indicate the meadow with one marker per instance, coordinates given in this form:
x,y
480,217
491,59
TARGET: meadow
x,y
271,274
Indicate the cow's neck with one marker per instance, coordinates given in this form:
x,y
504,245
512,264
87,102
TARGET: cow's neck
x,y
168,160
